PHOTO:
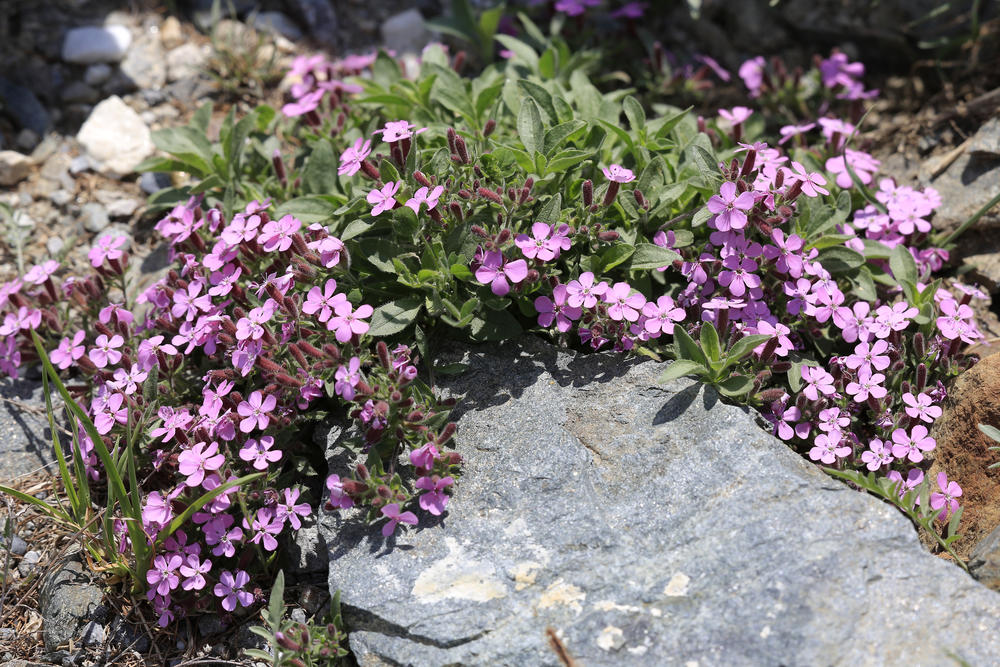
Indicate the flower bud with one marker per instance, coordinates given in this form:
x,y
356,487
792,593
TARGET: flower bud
x,y
490,126
420,178
463,151
608,236
588,193
362,471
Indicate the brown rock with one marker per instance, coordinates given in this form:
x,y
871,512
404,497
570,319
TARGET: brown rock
x,y
963,451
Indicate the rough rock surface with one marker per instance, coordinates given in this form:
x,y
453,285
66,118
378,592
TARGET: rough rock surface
x,y
68,600
643,524
984,562
24,443
115,136
970,182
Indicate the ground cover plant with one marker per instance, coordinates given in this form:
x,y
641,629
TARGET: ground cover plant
x,y
327,249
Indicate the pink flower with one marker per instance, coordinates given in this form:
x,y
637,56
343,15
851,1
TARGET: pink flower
x,y
752,73
172,420
351,159
254,411
163,575
827,448
259,452
867,384
618,174
818,381
630,10
662,315
198,460
277,234
242,228
730,208
421,196
913,480
291,510
322,302
338,497
308,102
392,512
68,352
384,199
265,526
911,445
434,500
108,247
231,589
879,454
869,357
583,292
575,7
194,571
39,273
557,310
811,182
736,115
395,130
347,378
423,457
921,407
348,321
495,271
947,498
106,352
539,244
623,305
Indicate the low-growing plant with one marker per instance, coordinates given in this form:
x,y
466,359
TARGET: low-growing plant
x,y
325,254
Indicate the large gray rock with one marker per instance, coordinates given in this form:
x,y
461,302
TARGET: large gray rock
x,y
971,181
68,600
644,524
25,442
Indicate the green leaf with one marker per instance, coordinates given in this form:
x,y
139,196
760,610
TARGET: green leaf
x,y
202,500
522,52
550,212
307,209
619,132
652,256
395,316
462,272
840,259
710,342
902,265
704,159
745,346
687,348
563,160
276,605
495,325
671,122
555,136
990,431
188,145
529,126
320,173
635,113
737,385
541,97
680,368
615,255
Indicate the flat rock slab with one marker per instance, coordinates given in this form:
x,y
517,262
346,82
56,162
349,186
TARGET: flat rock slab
x,y
25,442
643,524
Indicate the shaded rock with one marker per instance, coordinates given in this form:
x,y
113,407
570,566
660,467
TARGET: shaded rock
x,y
79,92
116,137
124,635
277,23
93,634
14,167
405,32
307,551
645,524
184,61
984,561
17,545
319,18
144,63
209,625
971,181
97,74
26,140
105,44
28,563
68,599
95,217
152,182
54,245
963,450
24,443
23,107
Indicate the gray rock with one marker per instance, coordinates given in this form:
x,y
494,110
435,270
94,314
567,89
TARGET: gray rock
x,y
144,63
984,560
18,546
93,634
122,208
210,625
25,444
124,635
307,550
68,599
152,182
79,92
115,137
184,61
644,524
29,563
23,107
80,164
277,23
14,167
971,181
54,245
27,140
95,217
60,198
405,32
106,44
986,141
319,18
97,74
6,634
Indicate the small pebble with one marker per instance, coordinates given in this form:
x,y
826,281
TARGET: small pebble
x,y
60,197
79,164
17,545
95,217
93,634
97,74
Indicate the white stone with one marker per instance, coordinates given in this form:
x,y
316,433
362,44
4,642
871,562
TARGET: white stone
x,y
86,46
405,32
14,167
184,61
122,208
115,136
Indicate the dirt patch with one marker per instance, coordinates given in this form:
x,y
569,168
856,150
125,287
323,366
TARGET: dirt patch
x,y
963,451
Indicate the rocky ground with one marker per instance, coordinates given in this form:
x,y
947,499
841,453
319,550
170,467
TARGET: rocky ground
x,y
84,84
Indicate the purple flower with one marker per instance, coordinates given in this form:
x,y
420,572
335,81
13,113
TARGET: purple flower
x,y
172,420
736,115
623,305
434,500
661,315
827,448
266,524
496,270
784,419
254,411
921,407
423,457
869,357
879,454
424,196
347,378
630,10
277,234
811,182
867,384
818,381
108,247
384,199
195,570
558,310
911,445
392,512
351,159
539,245
752,73
396,130
786,253
24,318
321,302
913,480
947,498
730,208
349,321
618,174
68,351
163,575
231,589
259,452
583,292
338,497
198,460
291,511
